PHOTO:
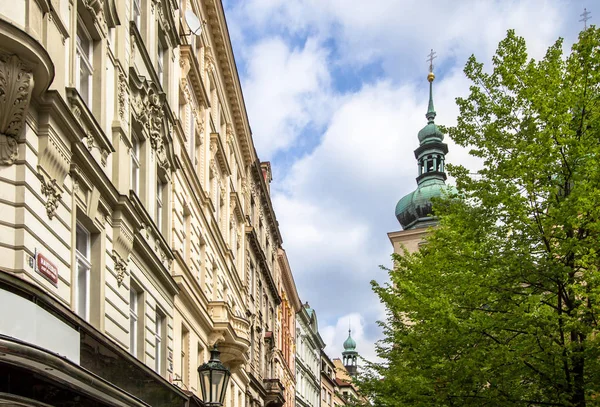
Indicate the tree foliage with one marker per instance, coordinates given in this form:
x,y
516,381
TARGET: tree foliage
x,y
500,307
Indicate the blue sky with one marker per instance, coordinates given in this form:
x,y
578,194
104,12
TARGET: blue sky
x,y
336,93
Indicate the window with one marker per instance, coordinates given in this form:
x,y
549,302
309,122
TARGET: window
x,y
82,276
83,60
135,308
158,341
160,186
185,357
135,164
160,64
252,279
199,362
187,224
136,6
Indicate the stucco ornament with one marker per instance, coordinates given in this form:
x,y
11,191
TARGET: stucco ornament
x,y
52,192
152,116
16,85
120,267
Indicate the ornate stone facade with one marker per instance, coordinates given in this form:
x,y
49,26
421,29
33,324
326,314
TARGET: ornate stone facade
x,y
138,212
16,87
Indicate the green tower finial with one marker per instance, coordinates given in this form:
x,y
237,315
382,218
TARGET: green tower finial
x,y
430,77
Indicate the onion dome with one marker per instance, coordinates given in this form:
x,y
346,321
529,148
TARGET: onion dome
x,y
415,209
349,344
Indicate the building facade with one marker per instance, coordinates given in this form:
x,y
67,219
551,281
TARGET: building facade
x,y
286,322
137,225
308,358
329,388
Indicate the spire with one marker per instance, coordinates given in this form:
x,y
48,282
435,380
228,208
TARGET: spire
x,y
415,209
430,77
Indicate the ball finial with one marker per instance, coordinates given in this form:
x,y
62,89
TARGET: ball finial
x,y
430,77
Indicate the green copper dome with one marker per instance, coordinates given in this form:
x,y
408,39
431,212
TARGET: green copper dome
x,y
349,344
430,133
417,206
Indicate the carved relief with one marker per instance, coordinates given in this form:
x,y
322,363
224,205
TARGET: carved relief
x,y
230,135
96,9
120,267
52,192
209,60
122,96
16,85
149,111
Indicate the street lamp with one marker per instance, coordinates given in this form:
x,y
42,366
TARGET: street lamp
x,y
214,377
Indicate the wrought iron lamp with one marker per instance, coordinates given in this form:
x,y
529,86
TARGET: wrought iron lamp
x,y
214,377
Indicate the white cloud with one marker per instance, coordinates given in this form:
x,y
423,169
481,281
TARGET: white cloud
x,y
286,90
336,201
400,32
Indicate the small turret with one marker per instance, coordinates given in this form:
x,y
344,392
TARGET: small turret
x,y
350,355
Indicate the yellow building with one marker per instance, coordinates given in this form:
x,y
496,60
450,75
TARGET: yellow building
x,y
136,225
330,391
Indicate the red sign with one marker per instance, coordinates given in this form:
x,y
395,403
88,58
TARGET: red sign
x,y
46,268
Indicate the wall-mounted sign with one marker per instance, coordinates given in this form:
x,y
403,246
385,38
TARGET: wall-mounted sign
x,y
46,268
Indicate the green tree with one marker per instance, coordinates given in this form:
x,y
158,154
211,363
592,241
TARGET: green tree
x,y
500,307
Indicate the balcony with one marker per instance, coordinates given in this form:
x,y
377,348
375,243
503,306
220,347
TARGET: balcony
x,y
275,393
231,331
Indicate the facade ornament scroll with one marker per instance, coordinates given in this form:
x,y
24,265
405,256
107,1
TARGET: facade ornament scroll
x,y
122,96
120,267
16,86
200,126
96,9
52,192
209,60
213,149
213,167
149,109
230,135
222,191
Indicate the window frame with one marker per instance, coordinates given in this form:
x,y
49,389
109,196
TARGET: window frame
x,y
135,164
134,319
136,13
84,59
159,343
83,264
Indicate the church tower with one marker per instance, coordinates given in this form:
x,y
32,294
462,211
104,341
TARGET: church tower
x,y
414,211
350,355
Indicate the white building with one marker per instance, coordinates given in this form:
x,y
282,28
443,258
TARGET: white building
x,y
308,358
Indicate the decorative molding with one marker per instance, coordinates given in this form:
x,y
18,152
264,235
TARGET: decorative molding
x,y
230,134
16,86
209,60
120,267
148,106
122,236
122,96
53,193
96,10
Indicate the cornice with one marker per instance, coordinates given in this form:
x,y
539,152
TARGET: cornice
x,y
194,73
255,244
256,170
217,24
288,280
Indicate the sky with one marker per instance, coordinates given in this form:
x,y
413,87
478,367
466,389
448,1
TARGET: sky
x,y
336,92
